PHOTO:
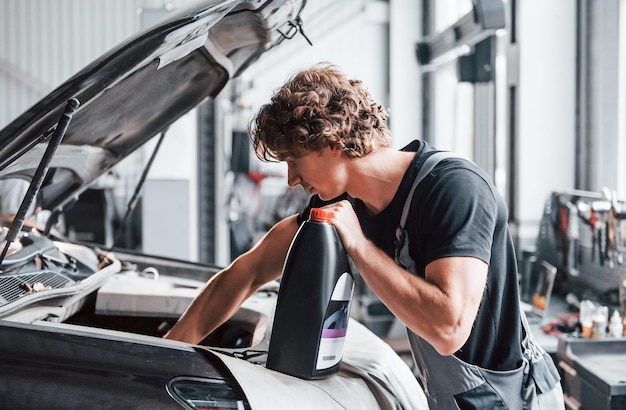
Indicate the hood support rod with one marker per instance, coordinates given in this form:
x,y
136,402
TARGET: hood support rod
x,y
40,174
132,203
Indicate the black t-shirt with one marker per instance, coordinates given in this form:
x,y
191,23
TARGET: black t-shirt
x,y
456,211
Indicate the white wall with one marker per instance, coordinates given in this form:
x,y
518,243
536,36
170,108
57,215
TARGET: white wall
x,y
405,92
44,42
169,207
546,116
621,149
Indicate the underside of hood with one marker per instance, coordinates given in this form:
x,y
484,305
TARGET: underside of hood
x,y
138,89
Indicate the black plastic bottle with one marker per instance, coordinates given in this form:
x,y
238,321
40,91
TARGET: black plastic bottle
x,y
313,306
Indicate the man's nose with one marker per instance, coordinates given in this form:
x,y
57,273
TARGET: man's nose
x,y
293,177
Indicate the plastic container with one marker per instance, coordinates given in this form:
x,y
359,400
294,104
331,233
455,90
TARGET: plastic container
x,y
587,309
313,307
600,321
616,328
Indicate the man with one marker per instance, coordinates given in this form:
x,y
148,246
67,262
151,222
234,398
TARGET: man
x,y
456,290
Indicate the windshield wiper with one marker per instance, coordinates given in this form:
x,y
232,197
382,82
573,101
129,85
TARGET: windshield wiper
x,y
40,174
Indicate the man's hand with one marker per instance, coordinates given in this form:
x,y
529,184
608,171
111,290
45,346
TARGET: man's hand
x,y
347,225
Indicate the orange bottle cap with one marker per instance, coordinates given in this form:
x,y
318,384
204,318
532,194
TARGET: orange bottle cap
x,y
320,215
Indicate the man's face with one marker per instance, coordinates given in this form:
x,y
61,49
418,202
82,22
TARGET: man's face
x,y
319,172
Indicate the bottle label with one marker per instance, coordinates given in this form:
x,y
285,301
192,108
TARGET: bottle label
x,y
335,323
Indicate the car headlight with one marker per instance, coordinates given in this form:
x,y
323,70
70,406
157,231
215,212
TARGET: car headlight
x,y
207,394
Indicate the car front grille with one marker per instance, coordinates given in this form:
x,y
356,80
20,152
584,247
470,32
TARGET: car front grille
x,y
14,287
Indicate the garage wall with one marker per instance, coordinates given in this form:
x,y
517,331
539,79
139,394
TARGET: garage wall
x,y
45,42
545,160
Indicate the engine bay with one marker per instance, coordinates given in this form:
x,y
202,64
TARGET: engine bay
x,y
45,280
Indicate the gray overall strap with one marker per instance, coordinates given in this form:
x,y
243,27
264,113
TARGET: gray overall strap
x,y
428,165
402,256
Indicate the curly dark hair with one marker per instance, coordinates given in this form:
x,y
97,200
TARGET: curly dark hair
x,y
317,108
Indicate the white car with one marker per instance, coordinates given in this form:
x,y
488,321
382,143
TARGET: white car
x,y
81,327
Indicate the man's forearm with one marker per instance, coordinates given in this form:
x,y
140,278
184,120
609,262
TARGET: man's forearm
x,y
218,300
224,293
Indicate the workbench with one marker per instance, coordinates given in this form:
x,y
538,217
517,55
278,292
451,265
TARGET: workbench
x,y
593,371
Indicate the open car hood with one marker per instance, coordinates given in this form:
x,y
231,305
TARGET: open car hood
x,y
138,89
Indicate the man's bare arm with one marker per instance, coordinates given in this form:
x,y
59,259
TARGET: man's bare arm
x,y
441,307
224,293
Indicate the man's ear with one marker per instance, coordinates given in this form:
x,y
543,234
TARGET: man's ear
x,y
337,151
